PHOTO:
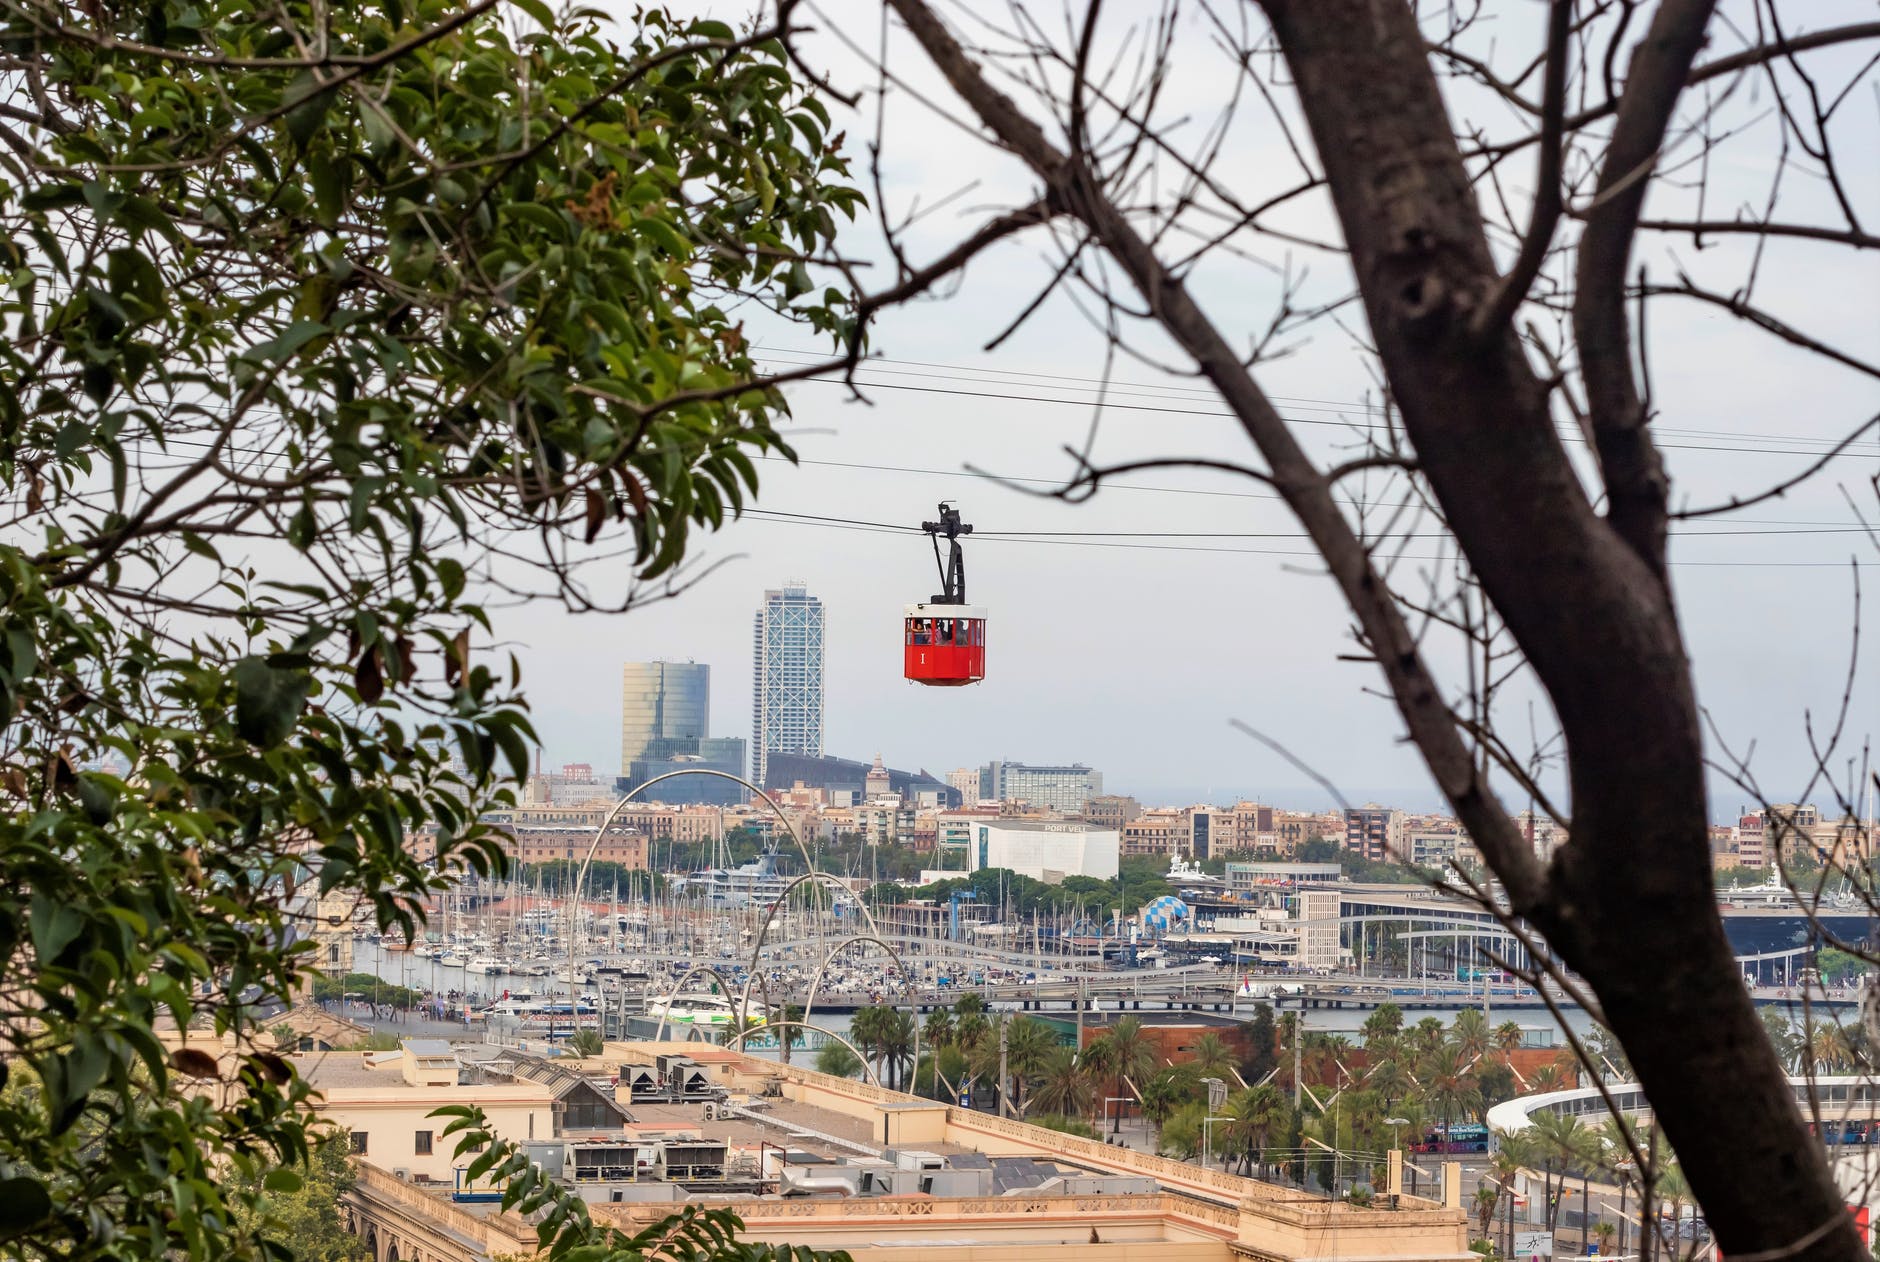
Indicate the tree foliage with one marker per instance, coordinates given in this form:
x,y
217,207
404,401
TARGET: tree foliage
x,y
320,324
296,1210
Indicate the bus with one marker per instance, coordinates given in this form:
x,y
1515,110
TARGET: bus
x,y
1457,1137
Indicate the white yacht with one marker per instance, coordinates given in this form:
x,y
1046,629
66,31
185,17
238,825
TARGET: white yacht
x,y
487,965
754,884
693,1009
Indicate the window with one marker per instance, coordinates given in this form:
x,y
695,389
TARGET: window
x,y
359,1143
423,1147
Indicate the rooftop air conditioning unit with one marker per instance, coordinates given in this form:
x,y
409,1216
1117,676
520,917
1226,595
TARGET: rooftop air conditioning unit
x,y
711,1111
402,1173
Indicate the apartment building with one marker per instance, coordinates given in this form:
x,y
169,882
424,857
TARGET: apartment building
x,y
1374,832
1160,831
1110,810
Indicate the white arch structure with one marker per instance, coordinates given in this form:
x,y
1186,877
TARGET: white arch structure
x,y
804,1025
770,917
744,997
678,986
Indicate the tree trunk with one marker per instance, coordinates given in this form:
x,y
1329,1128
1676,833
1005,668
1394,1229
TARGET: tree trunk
x,y
1628,902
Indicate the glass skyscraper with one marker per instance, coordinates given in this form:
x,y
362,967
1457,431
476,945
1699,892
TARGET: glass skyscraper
x,y
660,703
787,676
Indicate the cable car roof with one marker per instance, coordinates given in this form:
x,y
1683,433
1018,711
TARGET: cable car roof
x,y
946,611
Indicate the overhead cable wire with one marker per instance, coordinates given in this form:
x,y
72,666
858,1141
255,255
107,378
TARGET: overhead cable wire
x,y
874,527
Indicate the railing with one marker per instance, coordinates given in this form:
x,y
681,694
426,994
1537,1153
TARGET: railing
x,y
1152,1205
1232,1187
494,1233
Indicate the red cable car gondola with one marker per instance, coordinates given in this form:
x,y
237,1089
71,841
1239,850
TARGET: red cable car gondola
x,y
945,639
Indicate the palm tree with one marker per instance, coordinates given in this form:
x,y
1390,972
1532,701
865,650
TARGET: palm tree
x,y
1027,1044
1213,1058
1099,1061
1615,1157
1507,1036
1389,1079
791,1013
1447,1086
1828,1048
837,1061
937,1030
1382,1027
1471,1035
897,1045
1672,1189
1166,1091
1511,1156
1486,1194
1605,1231
866,1031
1546,1078
1135,1054
1425,1035
1255,1113
1064,1086
1560,1142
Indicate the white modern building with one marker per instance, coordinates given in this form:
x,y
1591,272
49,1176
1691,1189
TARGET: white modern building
x,y
1045,850
787,676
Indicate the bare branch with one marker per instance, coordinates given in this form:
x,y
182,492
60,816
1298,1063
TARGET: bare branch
x,y
1303,487
1501,305
1636,486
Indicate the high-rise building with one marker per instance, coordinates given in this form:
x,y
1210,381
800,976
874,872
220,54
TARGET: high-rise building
x,y
661,701
665,726
787,676
1061,788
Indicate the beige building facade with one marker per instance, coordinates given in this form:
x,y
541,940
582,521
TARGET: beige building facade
x,y
1184,1212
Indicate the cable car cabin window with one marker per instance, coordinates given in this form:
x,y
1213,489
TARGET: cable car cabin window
x,y
943,633
921,634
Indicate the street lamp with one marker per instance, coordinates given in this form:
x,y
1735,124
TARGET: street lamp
x,y
1206,1150
1116,1115
1396,1124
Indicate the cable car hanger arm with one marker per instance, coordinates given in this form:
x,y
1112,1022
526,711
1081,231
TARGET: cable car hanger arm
x,y
953,569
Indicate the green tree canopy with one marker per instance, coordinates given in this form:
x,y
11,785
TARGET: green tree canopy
x,y
319,325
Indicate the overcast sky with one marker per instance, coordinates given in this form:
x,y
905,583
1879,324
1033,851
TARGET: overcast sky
x,y
1133,654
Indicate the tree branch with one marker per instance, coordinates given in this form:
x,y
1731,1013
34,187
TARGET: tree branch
x,y
1298,481
1755,227
1636,485
1737,306
1501,305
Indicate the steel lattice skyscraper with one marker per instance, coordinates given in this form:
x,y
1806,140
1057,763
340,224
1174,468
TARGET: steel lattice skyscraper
x,y
787,677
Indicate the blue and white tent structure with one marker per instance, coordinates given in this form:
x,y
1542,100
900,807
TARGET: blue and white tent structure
x,y
1166,913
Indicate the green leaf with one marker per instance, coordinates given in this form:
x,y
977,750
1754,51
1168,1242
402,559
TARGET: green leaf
x,y
268,701
308,115
281,1180
543,15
